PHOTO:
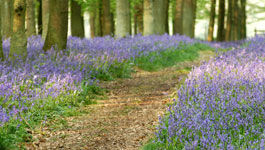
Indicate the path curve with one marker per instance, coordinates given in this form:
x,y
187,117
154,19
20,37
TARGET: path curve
x,y
127,119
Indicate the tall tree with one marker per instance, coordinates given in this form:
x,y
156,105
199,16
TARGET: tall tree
x,y
123,25
18,47
178,15
106,18
159,14
1,46
40,17
57,26
77,20
166,9
212,21
148,17
45,17
189,16
229,21
138,18
30,18
6,13
221,21
243,19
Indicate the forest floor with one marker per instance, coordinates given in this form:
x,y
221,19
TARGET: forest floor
x,y
126,119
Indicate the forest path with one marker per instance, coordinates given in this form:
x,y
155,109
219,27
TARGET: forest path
x,y
127,119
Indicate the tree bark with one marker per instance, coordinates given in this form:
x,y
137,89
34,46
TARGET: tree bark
x,y
106,18
189,16
45,17
243,19
1,42
148,17
57,26
30,18
123,25
18,47
178,15
221,21
40,17
77,20
212,20
6,14
138,18
229,21
166,13
159,16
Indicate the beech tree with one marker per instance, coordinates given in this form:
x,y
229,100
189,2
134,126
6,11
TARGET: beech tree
x,y
107,25
1,46
212,21
30,18
138,18
57,26
148,17
77,20
160,16
123,25
45,17
221,21
189,16
18,47
6,13
178,17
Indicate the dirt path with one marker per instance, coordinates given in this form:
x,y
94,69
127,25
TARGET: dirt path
x,y
126,120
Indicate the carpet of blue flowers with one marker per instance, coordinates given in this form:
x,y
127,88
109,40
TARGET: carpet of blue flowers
x,y
221,104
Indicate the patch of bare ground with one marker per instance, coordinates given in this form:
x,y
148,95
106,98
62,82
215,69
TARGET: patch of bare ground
x,y
127,119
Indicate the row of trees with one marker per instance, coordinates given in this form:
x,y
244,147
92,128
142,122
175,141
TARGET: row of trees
x,y
19,19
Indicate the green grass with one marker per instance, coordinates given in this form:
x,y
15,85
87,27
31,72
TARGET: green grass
x,y
19,131
162,59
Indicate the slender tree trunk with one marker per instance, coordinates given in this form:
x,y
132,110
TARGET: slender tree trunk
x,y
139,22
92,19
30,18
1,44
18,47
229,21
77,20
159,16
236,21
166,14
212,20
178,15
98,19
221,21
106,18
40,17
243,19
123,26
189,14
58,25
148,17
6,14
45,17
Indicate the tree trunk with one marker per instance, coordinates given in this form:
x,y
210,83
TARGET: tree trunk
x,y
159,16
221,21
212,20
229,21
123,25
106,18
148,17
1,44
189,14
45,17
166,14
77,20
58,25
178,15
18,47
30,18
243,19
6,14
139,18
92,19
40,17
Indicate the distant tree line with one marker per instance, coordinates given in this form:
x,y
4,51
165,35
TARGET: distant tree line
x,y
20,19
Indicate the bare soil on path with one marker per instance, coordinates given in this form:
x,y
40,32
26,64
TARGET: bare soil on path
x,y
126,119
